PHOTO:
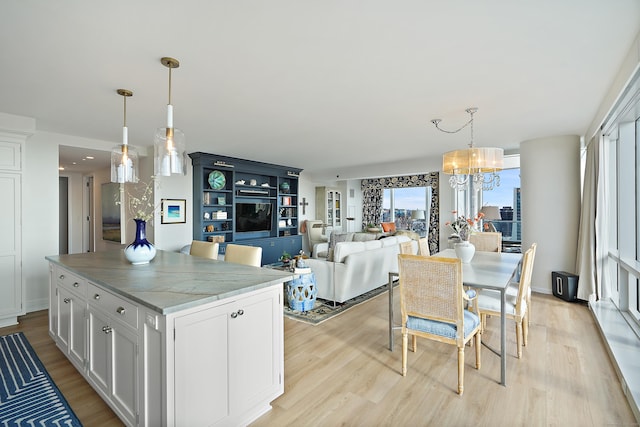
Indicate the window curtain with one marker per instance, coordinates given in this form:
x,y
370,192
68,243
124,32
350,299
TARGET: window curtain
x,y
592,245
372,200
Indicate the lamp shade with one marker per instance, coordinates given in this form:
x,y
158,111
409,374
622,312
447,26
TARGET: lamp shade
x,y
124,164
417,214
472,161
170,152
490,213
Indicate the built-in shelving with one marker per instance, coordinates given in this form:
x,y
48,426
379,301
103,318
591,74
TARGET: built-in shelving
x,y
246,202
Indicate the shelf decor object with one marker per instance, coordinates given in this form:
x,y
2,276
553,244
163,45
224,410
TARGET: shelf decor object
x,y
479,164
217,180
169,143
124,158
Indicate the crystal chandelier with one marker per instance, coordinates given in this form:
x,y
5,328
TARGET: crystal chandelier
x,y
478,164
124,158
169,143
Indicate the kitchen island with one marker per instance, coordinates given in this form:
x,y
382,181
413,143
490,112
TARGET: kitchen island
x,y
179,341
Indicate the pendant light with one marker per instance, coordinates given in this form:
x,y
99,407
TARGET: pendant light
x,y
124,158
169,142
481,164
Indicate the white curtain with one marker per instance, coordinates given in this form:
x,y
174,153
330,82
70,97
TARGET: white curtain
x,y
591,238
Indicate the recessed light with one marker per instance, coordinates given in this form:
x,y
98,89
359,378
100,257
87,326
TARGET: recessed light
x,y
90,157
60,168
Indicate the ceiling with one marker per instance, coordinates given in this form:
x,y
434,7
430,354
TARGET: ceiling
x,y
320,85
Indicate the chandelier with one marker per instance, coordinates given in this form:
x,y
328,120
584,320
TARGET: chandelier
x,y
477,164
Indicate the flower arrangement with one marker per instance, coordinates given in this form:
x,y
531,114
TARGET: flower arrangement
x,y
139,200
462,226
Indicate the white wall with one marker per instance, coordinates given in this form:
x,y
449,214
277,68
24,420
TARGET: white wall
x,y
550,182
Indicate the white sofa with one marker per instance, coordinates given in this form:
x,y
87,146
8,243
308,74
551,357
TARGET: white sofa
x,y
358,266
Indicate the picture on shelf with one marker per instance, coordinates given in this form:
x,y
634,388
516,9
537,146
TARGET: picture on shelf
x,y
286,200
222,200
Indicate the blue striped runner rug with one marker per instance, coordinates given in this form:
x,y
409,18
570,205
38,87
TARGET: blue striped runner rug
x,y
28,395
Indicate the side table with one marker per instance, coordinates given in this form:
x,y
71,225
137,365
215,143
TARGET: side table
x,y
302,290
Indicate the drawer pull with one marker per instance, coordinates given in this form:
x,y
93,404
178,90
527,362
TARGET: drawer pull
x,y
120,310
76,284
96,296
67,300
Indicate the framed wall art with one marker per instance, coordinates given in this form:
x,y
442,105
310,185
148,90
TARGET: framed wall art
x,y
173,211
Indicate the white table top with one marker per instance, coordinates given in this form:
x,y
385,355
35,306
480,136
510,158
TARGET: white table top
x,y
489,270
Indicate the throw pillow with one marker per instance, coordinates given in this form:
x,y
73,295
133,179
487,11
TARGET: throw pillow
x,y
388,227
334,238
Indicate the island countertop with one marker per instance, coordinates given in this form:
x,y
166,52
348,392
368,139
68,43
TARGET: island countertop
x,y
172,281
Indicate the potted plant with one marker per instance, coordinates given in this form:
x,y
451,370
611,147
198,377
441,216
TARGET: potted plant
x,y
285,258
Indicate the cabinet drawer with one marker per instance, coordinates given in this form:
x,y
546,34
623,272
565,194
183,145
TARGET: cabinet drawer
x,y
71,282
116,307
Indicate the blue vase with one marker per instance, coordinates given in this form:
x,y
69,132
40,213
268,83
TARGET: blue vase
x,y
140,251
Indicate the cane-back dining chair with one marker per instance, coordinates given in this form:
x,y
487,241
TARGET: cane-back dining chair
x,y
486,242
516,307
432,306
423,247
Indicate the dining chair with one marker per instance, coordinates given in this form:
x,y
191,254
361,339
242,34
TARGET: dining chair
x,y
512,289
423,247
243,254
204,249
432,307
406,247
516,306
487,242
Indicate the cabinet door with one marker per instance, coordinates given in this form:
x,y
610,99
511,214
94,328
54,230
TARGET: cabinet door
x,y
77,332
201,381
98,357
254,346
124,370
10,247
65,300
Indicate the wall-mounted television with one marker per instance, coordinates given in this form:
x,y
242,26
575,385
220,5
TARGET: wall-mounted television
x,y
253,216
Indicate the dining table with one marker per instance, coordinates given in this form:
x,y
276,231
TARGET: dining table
x,y
486,270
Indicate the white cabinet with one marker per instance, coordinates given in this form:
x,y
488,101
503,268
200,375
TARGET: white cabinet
x,y
112,360
11,291
70,332
228,361
329,207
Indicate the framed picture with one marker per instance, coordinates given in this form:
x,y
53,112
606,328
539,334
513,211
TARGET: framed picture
x,y
222,200
173,211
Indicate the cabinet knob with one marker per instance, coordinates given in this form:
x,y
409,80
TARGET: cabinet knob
x,y
234,315
240,312
107,329
76,284
96,296
62,277
67,300
104,328
120,310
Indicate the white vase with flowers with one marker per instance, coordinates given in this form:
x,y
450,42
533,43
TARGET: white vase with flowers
x,y
463,227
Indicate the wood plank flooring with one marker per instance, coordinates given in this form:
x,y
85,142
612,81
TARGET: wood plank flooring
x,y
342,373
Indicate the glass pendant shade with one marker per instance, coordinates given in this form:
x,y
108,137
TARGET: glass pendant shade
x,y
170,152
124,164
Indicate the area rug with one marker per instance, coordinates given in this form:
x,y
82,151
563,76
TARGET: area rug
x,y
28,395
324,310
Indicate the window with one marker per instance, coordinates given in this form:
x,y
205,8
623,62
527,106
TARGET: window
x,y
507,198
408,208
620,163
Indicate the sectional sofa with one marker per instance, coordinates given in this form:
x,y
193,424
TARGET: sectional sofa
x,y
361,262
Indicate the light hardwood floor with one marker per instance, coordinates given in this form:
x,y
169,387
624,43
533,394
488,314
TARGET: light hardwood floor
x,y
342,373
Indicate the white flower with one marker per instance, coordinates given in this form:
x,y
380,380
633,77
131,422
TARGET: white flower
x,y
139,200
